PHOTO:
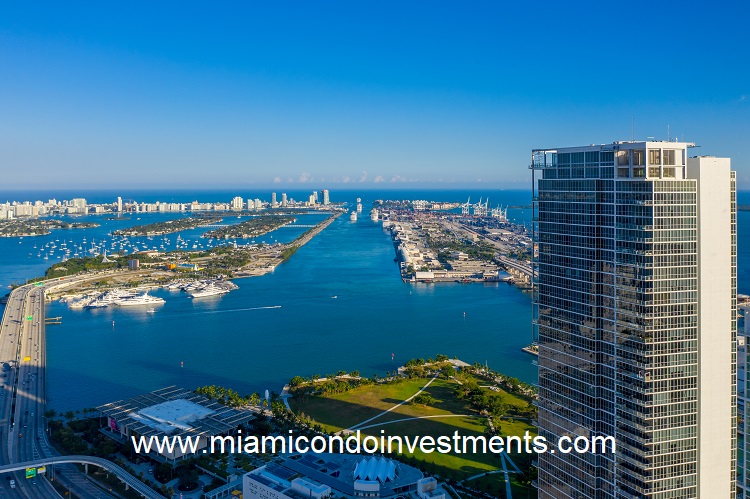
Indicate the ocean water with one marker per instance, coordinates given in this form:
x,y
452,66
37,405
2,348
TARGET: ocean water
x,y
288,322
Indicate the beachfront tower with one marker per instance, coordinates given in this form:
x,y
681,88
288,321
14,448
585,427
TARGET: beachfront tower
x,y
635,317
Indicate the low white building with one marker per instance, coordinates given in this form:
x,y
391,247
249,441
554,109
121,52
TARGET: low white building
x,y
334,475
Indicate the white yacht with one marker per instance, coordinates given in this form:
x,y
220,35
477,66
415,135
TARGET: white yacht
x,y
144,299
110,298
210,290
353,216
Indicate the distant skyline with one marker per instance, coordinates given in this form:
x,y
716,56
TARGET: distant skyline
x,y
348,95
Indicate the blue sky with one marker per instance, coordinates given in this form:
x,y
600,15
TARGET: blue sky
x,y
363,93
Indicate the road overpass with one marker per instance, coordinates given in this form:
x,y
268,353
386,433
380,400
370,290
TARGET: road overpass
x,y
516,266
23,432
128,479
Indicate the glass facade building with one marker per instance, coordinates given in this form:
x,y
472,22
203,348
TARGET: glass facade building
x,y
635,319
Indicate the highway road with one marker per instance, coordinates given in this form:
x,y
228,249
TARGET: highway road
x,y
22,352
23,433
111,467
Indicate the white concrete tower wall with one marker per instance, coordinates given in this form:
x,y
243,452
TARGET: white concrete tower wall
x,y
716,334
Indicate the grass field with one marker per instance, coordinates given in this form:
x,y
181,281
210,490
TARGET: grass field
x,y
342,411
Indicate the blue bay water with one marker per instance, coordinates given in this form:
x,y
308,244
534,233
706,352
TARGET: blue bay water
x,y
287,322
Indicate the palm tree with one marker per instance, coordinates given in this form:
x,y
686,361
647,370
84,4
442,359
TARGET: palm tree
x,y
254,398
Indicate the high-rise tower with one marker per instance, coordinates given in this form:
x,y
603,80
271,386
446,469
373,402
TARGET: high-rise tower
x,y
636,305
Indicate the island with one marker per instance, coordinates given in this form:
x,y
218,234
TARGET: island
x,y
167,226
256,226
38,227
161,268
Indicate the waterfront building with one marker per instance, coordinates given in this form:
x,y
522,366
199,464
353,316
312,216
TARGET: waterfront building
x,y
25,210
119,204
238,203
635,317
258,204
326,198
274,204
174,412
311,200
283,199
79,204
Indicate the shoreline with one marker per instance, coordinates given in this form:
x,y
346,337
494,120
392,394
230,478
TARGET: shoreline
x,y
269,264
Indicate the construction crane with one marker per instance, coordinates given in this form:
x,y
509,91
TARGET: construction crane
x,y
465,207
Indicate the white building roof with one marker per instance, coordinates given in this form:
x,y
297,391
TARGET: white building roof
x,y
376,468
171,415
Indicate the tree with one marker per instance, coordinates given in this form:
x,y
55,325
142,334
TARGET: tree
x,y
188,475
528,476
296,381
424,399
69,415
448,371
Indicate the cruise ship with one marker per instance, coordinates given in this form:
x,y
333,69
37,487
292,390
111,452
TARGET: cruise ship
x,y
353,216
144,299
210,290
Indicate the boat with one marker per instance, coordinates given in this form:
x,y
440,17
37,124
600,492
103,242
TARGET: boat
x,y
210,290
110,298
353,216
374,215
144,299
97,304
533,349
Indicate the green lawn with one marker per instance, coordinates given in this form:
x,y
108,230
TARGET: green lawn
x,y
341,411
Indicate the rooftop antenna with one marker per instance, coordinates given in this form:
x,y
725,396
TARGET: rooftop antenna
x,y
632,128
668,137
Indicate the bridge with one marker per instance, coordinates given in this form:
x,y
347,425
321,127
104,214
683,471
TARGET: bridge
x,y
23,341
129,480
517,268
297,225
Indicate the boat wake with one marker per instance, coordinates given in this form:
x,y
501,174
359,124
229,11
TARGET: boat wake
x,y
240,309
